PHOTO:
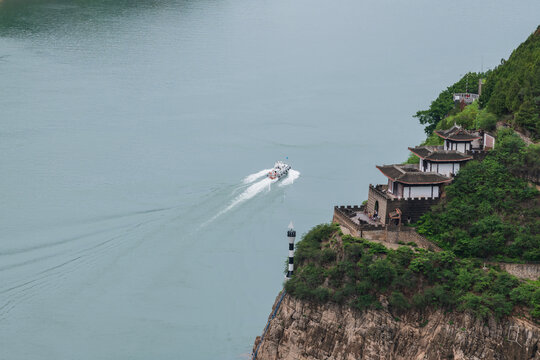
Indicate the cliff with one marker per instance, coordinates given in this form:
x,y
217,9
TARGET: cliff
x,y
308,331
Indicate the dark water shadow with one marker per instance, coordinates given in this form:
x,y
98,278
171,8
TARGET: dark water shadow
x,y
22,18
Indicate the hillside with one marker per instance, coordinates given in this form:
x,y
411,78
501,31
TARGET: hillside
x,y
352,298
513,88
489,211
510,93
337,268
444,105
355,299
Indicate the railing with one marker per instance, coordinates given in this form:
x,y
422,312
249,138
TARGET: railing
x,y
467,97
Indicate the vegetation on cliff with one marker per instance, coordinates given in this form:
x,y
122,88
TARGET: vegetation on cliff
x,y
510,92
488,211
343,269
513,88
444,105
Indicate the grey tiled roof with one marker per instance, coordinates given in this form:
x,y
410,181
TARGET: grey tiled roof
x,y
437,153
411,175
457,133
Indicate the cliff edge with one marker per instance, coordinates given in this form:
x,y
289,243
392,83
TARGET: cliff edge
x,y
306,330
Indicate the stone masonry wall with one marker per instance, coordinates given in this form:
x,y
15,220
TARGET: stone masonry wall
x,y
522,271
389,234
411,209
373,196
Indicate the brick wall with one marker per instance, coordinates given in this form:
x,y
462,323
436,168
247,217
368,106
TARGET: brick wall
x,y
414,208
411,209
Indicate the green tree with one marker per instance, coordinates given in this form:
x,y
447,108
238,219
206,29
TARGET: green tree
x,y
486,120
527,117
444,103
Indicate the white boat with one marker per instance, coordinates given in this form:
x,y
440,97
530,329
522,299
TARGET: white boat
x,y
280,169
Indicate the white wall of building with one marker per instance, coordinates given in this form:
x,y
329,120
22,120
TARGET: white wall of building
x,y
459,146
420,191
443,168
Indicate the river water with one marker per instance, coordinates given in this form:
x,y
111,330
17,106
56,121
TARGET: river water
x,y
133,224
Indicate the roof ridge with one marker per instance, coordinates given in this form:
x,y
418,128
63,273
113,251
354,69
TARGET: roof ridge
x,y
398,168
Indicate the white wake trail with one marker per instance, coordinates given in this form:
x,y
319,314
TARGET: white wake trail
x,y
255,188
291,176
251,178
251,191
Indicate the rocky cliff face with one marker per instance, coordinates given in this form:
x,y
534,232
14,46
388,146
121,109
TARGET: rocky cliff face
x,y
302,330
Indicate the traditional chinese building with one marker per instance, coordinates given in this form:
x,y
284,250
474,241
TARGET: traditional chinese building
x,y
410,192
463,140
409,182
436,159
459,139
411,189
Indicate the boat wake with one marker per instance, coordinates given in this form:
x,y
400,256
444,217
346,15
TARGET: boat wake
x,y
41,266
256,187
251,178
289,180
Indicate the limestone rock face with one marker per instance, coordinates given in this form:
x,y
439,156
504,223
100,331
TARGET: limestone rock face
x,y
307,331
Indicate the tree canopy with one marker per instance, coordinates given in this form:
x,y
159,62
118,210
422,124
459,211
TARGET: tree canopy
x,y
513,88
510,92
489,210
332,267
444,105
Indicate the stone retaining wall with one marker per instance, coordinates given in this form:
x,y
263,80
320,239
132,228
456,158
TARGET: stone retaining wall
x,y
391,234
522,271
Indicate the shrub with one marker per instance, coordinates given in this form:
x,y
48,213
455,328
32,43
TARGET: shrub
x,y
499,304
363,302
321,294
409,278
327,256
335,276
483,212
486,120
473,304
382,272
398,301
353,252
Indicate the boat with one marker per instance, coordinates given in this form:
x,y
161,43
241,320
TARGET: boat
x,y
280,169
